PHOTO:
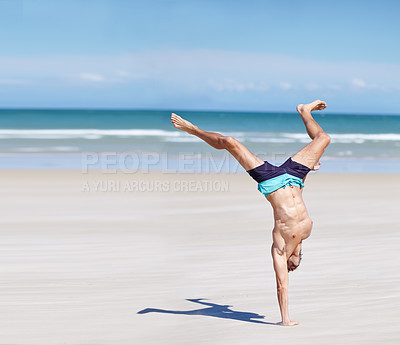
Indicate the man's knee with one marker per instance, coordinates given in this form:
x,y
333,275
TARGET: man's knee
x,y
227,142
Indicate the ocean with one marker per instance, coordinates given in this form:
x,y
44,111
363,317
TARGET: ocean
x,y
132,140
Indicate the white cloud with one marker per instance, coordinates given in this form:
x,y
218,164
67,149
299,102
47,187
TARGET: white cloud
x,y
14,82
284,85
119,76
233,85
227,69
123,73
358,83
129,75
334,87
192,77
311,86
92,77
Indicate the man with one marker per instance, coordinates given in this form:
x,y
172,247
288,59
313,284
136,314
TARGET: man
x,y
283,187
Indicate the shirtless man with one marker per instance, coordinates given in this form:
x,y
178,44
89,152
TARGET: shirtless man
x,y
283,187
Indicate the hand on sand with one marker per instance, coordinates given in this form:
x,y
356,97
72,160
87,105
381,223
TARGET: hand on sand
x,y
289,323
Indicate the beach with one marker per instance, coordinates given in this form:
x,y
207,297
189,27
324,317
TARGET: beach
x,y
127,214
175,258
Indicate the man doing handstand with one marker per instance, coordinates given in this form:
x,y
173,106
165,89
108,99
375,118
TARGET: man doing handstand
x,y
283,187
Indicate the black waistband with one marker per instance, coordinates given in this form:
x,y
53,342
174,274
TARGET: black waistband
x,y
267,171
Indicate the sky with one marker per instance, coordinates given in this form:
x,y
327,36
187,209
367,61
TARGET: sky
x,y
200,55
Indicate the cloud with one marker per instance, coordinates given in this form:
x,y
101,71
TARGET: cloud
x,y
358,82
129,75
123,73
311,86
92,77
76,69
334,87
203,78
119,76
233,85
14,82
227,70
284,85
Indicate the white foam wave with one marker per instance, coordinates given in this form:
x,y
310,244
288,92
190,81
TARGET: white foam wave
x,y
83,133
350,137
183,140
178,136
345,153
64,148
272,140
47,149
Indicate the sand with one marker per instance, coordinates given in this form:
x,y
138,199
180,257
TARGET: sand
x,y
132,262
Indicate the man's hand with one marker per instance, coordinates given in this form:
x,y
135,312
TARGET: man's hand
x,y
316,167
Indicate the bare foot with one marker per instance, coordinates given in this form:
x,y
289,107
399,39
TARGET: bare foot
x,y
316,105
289,323
182,124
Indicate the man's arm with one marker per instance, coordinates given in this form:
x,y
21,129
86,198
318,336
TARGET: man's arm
x,y
282,283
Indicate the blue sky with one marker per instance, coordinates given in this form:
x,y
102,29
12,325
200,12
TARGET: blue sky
x,y
206,55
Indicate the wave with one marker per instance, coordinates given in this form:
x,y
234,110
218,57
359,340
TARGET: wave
x,y
178,136
83,133
349,137
34,149
272,140
188,139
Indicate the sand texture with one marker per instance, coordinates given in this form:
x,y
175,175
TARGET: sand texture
x,y
139,263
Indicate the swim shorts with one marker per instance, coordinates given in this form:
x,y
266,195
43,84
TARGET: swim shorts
x,y
271,178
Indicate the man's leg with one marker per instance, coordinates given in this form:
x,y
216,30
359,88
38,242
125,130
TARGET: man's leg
x,y
311,154
246,159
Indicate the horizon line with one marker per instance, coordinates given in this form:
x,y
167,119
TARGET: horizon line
x,y
186,110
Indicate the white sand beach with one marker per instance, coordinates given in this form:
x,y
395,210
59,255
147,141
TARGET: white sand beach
x,y
132,262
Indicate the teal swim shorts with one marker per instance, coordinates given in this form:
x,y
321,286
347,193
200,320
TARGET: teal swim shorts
x,y
270,177
281,181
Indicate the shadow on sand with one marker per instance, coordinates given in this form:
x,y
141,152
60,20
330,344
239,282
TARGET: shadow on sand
x,y
213,310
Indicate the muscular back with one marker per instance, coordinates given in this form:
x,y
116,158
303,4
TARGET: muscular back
x,y
292,223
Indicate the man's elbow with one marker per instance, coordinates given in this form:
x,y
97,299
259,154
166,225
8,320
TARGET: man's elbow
x,y
281,287
281,291
277,251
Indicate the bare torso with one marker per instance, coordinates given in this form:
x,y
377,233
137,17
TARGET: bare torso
x,y
292,223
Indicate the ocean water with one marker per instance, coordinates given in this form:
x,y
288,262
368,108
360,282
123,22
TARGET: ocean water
x,y
131,140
